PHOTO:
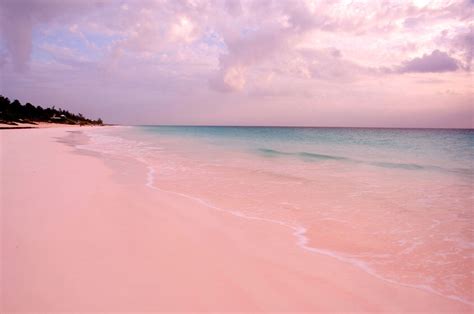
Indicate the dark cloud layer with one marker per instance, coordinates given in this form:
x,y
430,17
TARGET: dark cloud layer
x,y
437,61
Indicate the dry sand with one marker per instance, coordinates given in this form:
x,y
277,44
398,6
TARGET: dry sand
x,y
75,238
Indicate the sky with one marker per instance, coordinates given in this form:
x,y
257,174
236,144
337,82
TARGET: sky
x,y
230,62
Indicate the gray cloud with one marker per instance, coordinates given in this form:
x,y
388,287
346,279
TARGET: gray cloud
x,y
464,42
19,17
437,61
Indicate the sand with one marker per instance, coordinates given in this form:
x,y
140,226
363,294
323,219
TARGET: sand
x,y
75,237
39,125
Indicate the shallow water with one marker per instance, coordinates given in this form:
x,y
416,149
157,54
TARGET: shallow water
x,y
397,203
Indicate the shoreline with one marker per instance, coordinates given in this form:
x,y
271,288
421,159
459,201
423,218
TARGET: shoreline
x,y
302,240
87,240
41,125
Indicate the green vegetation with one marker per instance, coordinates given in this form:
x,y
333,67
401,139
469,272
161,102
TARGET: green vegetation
x,y
14,112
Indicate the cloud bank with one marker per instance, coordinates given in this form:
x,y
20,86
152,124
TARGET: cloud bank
x,y
241,62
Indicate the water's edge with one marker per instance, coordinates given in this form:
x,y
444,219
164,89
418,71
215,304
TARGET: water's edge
x,y
299,232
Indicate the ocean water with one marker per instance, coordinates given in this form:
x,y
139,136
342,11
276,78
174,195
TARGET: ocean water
x,y
397,203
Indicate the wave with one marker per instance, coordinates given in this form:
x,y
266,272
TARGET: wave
x,y
138,151
320,156
407,166
272,152
302,240
310,156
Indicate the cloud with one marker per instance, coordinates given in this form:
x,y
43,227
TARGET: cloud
x,y
273,33
233,7
245,51
230,79
464,42
437,61
16,33
19,17
177,53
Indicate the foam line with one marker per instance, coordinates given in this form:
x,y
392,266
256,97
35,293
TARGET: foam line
x,y
298,231
301,239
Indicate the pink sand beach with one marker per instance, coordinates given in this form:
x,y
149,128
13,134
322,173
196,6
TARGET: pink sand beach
x,y
78,237
236,156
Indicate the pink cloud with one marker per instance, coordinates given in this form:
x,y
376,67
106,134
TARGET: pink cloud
x,y
194,60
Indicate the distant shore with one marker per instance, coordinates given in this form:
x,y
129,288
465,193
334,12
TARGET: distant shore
x,y
40,125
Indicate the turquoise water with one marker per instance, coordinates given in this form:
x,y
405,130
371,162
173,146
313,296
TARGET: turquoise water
x,y
397,203
410,149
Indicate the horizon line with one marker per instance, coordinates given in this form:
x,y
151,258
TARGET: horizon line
x,y
293,126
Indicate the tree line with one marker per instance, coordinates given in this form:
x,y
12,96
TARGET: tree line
x,y
12,112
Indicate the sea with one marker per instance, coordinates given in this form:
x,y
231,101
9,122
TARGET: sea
x,y
396,203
